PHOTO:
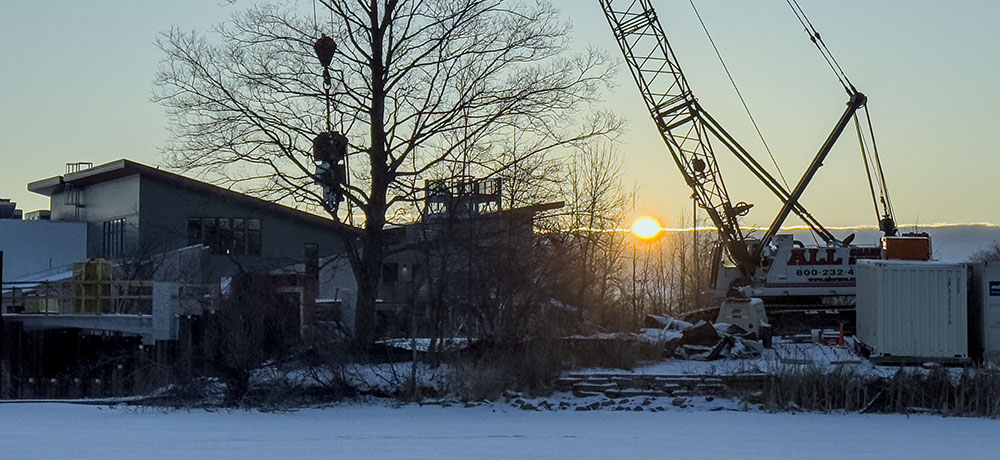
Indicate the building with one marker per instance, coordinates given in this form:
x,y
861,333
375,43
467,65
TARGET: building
x,y
160,226
8,209
38,249
133,211
140,216
438,270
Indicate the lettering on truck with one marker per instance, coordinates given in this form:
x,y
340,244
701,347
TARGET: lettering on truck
x,y
802,256
826,265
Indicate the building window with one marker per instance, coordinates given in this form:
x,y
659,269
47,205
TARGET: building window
x,y
210,233
224,235
224,239
113,244
390,273
312,259
239,236
253,237
194,231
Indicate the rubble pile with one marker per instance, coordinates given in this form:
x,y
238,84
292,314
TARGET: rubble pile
x,y
702,341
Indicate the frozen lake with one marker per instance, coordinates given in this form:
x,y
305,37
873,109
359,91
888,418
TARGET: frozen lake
x,y
62,431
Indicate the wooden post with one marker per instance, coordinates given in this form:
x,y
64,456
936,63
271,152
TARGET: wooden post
x,y
4,372
51,388
139,366
184,348
211,330
117,381
75,388
14,338
96,389
162,363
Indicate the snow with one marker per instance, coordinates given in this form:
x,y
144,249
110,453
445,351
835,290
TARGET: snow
x,y
32,431
384,377
424,344
786,356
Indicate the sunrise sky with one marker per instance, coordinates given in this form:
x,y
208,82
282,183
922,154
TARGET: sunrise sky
x,y
77,77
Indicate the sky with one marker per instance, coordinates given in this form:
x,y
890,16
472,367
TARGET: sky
x,y
76,80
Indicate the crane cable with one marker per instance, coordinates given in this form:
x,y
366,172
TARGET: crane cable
x,y
868,168
740,94
886,202
817,40
347,158
872,156
873,164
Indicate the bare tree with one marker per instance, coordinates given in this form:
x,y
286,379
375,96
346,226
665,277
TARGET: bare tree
x,y
417,85
599,208
674,275
990,253
593,248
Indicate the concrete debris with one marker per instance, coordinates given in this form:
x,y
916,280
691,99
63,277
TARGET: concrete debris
x,y
701,334
703,341
666,322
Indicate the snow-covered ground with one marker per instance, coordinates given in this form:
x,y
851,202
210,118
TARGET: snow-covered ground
x,y
374,431
784,356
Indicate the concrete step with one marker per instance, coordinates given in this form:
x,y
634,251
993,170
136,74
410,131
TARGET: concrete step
x,y
636,385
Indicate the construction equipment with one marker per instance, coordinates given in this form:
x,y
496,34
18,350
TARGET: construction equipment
x,y
788,276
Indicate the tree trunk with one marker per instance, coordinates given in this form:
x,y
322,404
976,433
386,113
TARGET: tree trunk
x,y
373,246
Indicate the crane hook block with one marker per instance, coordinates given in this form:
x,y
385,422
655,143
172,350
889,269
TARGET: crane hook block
x,y
888,226
330,147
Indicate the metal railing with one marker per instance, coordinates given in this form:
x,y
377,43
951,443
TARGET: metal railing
x,y
95,297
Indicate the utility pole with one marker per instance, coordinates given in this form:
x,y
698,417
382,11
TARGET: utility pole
x,y
635,300
694,255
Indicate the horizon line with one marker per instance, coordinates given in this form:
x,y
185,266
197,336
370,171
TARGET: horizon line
x,y
915,227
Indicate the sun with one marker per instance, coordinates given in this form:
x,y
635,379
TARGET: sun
x,y
646,228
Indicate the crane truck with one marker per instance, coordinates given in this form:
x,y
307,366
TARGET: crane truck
x,y
797,285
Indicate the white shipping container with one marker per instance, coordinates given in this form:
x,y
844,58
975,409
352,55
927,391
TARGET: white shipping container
x,y
913,309
987,308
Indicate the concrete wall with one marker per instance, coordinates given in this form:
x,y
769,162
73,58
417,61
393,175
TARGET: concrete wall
x,y
36,247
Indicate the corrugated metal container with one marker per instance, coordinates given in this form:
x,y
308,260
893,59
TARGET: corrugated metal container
x,y
913,310
910,246
986,319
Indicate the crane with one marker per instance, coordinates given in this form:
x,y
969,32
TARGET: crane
x,y
772,266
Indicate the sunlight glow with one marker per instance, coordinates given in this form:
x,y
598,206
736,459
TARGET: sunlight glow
x,y
646,228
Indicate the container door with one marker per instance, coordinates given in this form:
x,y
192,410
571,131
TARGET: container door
x,y
991,311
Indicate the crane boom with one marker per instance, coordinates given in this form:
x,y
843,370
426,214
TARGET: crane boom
x,y
791,279
689,131
677,115
857,101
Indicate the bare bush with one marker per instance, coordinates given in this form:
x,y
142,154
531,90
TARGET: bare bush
x,y
971,392
990,253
